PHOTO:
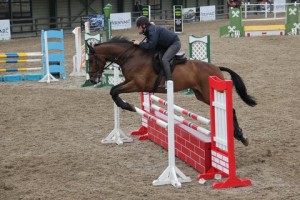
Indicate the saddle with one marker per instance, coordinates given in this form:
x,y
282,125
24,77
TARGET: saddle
x,y
179,58
157,64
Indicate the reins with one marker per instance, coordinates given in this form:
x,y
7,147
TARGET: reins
x,y
117,58
99,69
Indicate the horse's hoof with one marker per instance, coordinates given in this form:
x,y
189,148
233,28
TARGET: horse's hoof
x,y
133,108
245,141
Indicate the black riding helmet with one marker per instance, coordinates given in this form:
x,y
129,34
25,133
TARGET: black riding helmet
x,y
142,20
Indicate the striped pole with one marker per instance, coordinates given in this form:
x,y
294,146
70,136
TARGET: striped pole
x,y
182,110
18,58
20,69
20,61
181,120
18,55
151,118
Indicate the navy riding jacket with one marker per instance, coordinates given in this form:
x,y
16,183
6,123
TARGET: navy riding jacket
x,y
158,38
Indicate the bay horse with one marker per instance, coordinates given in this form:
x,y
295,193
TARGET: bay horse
x,y
136,66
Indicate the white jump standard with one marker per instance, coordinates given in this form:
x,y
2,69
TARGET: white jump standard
x,y
117,135
169,176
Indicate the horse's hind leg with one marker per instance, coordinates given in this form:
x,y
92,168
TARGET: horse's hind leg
x,y
199,95
238,132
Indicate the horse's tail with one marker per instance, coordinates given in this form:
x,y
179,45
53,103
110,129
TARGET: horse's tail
x,y
240,87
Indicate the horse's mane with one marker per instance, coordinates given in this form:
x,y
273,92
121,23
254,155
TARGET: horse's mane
x,y
116,39
119,39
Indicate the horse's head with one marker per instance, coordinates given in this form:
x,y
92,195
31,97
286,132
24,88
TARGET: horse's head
x,y
96,65
117,50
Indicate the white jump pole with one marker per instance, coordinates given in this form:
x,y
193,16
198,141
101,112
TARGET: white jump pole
x,y
182,110
48,77
87,29
117,135
77,58
169,176
182,120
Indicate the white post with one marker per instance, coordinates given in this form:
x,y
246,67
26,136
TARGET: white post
x,y
274,10
87,29
78,47
169,176
117,135
245,10
48,77
266,10
77,58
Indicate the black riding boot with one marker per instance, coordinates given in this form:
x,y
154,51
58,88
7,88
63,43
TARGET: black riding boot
x,y
167,69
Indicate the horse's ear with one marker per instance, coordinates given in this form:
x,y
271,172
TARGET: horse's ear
x,y
91,49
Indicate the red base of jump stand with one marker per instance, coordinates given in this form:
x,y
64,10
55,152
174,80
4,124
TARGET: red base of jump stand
x,y
232,181
143,132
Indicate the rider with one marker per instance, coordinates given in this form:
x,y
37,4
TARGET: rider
x,y
159,39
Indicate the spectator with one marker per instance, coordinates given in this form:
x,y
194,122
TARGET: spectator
x,y
262,5
138,8
234,3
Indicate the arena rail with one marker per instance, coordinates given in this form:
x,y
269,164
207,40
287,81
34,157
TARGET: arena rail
x,y
237,29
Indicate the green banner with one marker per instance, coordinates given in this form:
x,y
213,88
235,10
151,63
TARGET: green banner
x,y
146,11
178,23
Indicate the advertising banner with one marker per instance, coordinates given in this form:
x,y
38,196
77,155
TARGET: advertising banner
x,y
120,21
279,5
5,30
96,22
178,24
146,11
207,13
189,14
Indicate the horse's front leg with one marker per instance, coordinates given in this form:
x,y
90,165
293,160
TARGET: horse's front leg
x,y
115,91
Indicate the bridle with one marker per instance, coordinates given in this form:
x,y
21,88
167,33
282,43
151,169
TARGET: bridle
x,y
99,70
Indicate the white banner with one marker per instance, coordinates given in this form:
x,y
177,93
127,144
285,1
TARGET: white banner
x,y
120,21
279,5
5,30
207,13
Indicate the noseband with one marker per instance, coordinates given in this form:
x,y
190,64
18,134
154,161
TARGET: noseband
x,y
98,68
